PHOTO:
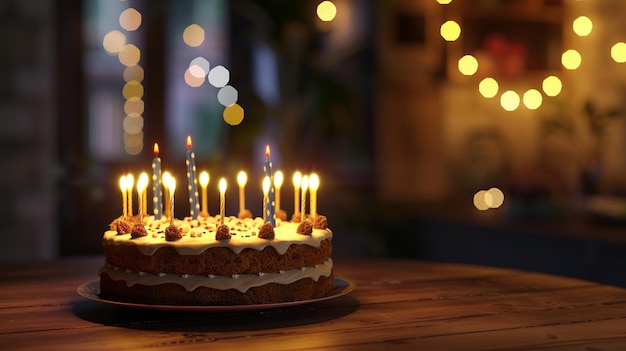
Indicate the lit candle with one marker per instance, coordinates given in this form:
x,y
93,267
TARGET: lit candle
x,y
222,187
130,183
204,182
165,179
314,183
297,179
192,181
242,178
172,190
304,185
267,167
278,182
142,184
266,190
157,191
124,196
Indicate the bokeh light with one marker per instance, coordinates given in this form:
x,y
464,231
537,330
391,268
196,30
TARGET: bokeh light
x,y
444,2
571,59
227,95
133,73
219,76
233,114
479,200
618,52
134,107
532,99
494,198
113,42
468,65
133,125
133,143
509,100
193,35
199,67
326,11
552,86
129,55
192,80
488,87
450,31
132,89
130,19
582,26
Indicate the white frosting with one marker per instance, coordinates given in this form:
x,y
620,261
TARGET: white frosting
x,y
241,282
199,236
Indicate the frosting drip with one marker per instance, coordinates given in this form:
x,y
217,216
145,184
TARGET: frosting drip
x,y
241,282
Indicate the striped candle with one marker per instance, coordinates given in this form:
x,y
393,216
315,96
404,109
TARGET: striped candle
x,y
192,181
157,190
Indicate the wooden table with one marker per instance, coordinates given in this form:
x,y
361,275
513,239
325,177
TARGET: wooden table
x,y
398,304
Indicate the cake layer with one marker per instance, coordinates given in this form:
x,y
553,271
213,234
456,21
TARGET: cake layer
x,y
217,260
240,282
174,294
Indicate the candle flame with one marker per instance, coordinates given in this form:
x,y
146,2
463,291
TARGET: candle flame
x,y
305,183
222,186
165,178
242,178
204,179
297,178
278,179
267,151
142,183
123,183
314,182
189,141
266,185
156,149
130,181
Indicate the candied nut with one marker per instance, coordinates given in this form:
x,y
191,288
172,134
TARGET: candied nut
x,y
321,222
123,227
223,233
305,228
266,231
172,233
138,231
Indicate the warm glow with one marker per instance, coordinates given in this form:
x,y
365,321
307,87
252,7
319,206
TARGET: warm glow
x,y
156,149
192,79
552,86
532,99
219,76
444,2
304,185
267,151
571,59
509,100
130,181
129,55
142,183
165,178
233,114
297,179
222,186
204,179
450,31
189,141
618,52
242,178
123,185
193,35
132,89
582,26
278,179
130,19
468,65
479,200
134,107
113,42
326,11
314,182
488,87
227,96
172,186
494,197
133,73
266,185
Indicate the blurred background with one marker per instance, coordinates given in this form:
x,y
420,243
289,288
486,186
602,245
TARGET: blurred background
x,y
488,132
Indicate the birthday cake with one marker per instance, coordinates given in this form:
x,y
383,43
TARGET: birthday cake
x,y
205,262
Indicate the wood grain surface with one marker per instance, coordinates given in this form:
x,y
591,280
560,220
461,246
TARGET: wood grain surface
x,y
397,304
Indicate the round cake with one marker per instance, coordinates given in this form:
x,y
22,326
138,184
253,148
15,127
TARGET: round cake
x,y
207,262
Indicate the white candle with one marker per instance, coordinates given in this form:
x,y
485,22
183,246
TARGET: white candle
x,y
124,196
172,190
142,194
278,182
130,183
242,178
204,182
222,187
266,191
314,183
297,179
305,186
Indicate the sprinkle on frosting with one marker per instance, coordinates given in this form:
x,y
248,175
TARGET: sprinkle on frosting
x,y
266,231
223,233
172,233
138,231
305,227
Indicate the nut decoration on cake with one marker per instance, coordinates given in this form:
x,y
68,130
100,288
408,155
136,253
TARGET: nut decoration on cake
x,y
204,259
